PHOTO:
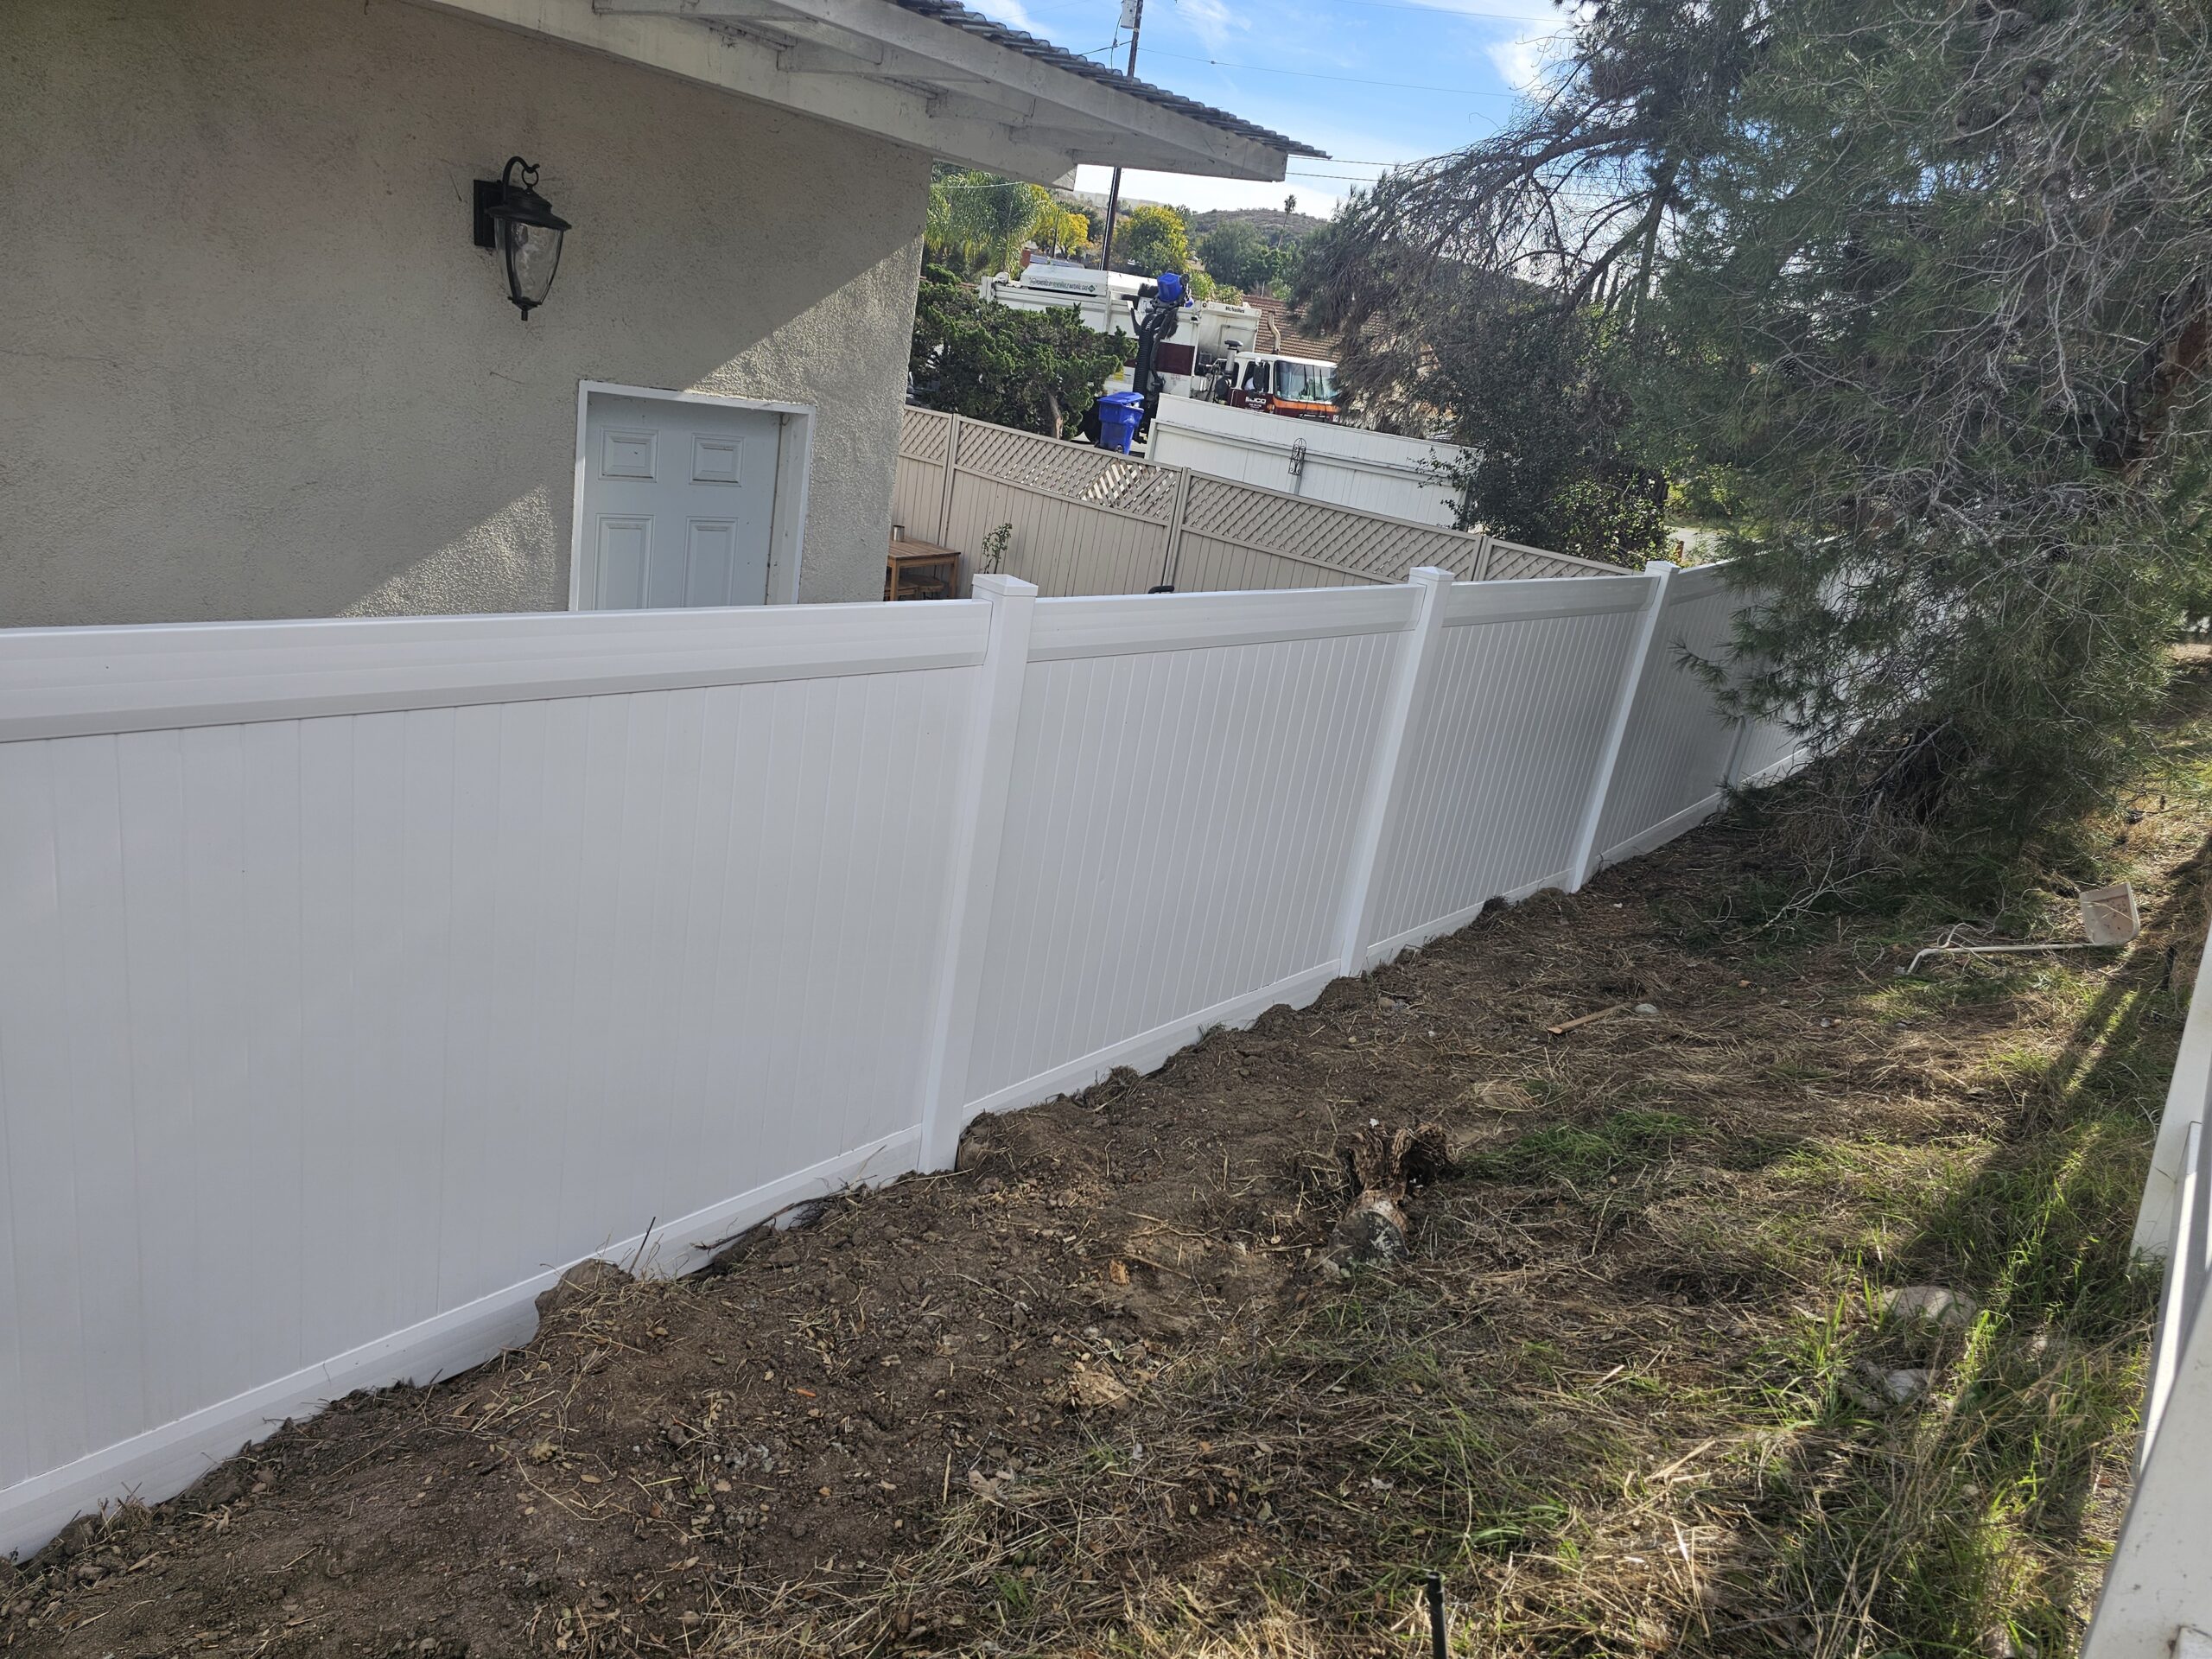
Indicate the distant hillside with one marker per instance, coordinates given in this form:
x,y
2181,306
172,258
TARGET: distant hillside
x,y
1269,222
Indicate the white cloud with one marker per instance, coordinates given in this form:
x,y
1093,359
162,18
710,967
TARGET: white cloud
x,y
1524,51
1212,21
1519,60
1011,13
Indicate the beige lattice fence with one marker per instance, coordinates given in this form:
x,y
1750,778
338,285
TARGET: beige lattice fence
x,y
1085,520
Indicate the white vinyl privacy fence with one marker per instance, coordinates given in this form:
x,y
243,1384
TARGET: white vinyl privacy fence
x,y
2158,1593
1088,521
358,975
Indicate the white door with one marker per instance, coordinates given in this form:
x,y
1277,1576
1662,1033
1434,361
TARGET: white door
x,y
679,503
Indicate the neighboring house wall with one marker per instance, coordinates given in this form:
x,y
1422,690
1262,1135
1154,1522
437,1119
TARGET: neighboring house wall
x,y
252,367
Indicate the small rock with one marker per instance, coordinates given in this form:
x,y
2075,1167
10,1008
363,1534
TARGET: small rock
x,y
1906,1388
1950,1310
1647,1007
587,1281
1872,1388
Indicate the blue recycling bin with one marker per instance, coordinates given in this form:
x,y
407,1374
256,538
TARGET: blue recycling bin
x,y
1118,415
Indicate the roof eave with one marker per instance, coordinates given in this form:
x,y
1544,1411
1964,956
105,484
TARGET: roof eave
x,y
965,89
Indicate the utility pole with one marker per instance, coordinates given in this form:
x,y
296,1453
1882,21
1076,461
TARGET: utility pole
x,y
1131,20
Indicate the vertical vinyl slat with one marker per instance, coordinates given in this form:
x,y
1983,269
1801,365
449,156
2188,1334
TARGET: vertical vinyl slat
x,y
276,1131
333,1186
149,775
45,1211
468,1263
418,1148
106,1243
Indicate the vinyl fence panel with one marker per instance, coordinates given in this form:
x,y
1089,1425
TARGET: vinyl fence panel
x,y
1770,751
1677,747
360,975
1187,783
1504,753
325,1039
917,485
2156,1599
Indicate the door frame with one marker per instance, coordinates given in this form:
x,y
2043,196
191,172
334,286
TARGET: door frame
x,y
787,514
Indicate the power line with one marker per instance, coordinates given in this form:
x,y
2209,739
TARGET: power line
x,y
1354,80
1444,11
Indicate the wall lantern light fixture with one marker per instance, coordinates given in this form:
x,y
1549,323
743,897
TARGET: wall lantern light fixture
x,y
513,217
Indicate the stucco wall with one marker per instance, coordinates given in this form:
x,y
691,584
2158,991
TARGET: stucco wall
x,y
250,365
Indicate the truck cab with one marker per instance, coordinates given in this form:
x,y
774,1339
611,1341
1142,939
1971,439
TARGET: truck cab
x,y
1302,387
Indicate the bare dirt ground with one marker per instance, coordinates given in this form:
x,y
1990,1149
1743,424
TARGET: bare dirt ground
x,y
1092,1394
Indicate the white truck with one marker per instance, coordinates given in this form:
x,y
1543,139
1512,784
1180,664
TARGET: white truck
x,y
1401,478
1208,333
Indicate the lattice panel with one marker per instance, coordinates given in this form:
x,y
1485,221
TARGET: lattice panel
x,y
1363,546
1511,560
922,434
1382,549
1074,471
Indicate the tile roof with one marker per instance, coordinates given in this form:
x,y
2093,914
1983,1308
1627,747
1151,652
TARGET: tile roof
x,y
1296,342
955,15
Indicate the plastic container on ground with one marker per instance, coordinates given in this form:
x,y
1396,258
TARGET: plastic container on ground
x,y
1119,414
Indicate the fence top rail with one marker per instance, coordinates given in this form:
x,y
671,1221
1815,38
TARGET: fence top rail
x,y
1443,538
1116,624
1530,598
1532,551
75,681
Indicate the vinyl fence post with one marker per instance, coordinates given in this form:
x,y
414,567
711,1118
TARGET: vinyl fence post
x,y
944,491
1584,865
1481,572
1177,508
1388,781
1734,775
978,829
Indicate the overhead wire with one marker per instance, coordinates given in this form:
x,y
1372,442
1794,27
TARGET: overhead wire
x,y
1354,80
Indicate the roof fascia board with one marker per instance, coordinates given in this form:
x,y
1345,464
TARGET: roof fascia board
x,y
1210,149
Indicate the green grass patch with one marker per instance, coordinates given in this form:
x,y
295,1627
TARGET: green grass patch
x,y
1566,1153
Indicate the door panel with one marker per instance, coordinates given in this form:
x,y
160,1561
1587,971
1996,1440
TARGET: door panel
x,y
714,563
624,545
682,501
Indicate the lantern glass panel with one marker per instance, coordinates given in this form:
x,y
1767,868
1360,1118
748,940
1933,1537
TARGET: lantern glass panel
x,y
533,253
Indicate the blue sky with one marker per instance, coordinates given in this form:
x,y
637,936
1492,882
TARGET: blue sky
x,y
1308,68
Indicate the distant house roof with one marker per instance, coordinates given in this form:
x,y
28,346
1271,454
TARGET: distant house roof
x,y
1278,324
931,73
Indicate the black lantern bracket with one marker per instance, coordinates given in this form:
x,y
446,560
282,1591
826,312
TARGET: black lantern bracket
x,y
517,175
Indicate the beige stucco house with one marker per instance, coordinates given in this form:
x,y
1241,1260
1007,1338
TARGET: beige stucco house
x,y
253,362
